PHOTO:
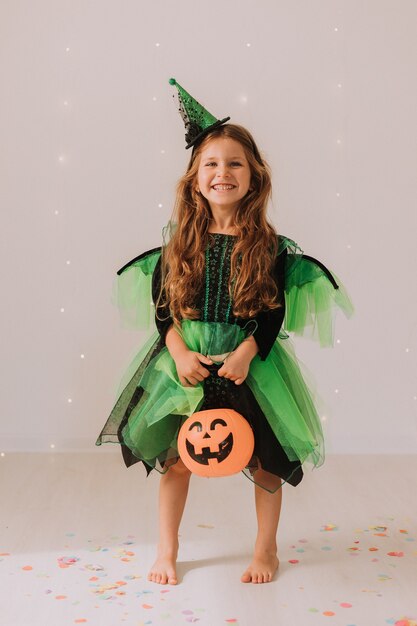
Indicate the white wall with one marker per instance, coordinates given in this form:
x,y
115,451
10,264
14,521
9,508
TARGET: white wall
x,y
92,144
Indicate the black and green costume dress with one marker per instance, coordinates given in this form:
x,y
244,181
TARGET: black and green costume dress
x,y
275,398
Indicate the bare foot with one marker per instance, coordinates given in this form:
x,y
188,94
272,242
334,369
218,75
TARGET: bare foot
x,y
163,570
262,568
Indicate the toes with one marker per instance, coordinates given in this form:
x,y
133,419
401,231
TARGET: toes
x,y
172,580
246,577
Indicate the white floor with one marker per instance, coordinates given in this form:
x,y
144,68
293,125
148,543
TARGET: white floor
x,y
78,533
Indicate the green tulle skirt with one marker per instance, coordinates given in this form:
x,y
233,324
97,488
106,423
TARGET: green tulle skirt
x,y
276,399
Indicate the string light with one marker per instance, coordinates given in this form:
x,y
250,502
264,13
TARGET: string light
x,y
336,391
62,310
162,151
82,356
160,206
248,45
2,454
68,262
157,45
69,400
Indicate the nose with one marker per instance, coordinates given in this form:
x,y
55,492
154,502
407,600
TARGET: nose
x,y
222,171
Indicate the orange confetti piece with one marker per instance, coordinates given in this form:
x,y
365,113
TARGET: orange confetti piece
x,y
126,560
60,597
373,549
231,621
4,553
380,534
328,613
93,578
27,568
80,621
147,606
401,531
395,553
120,582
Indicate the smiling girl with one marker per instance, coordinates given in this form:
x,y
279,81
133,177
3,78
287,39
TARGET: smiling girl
x,y
222,278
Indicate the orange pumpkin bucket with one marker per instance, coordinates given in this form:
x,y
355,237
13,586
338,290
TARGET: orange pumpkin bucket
x,y
217,442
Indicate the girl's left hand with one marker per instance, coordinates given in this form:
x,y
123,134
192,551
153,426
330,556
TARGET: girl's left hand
x,y
235,368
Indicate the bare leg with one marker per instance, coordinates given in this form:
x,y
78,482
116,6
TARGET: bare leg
x,y
173,490
265,561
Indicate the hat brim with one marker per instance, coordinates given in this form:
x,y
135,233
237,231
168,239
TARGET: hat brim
x,y
206,131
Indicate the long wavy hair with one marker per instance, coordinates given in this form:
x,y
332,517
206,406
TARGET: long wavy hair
x,y
183,256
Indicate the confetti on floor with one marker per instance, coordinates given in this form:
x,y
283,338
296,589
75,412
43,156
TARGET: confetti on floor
x,y
118,579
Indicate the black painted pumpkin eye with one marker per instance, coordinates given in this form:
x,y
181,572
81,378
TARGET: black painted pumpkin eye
x,y
217,421
197,425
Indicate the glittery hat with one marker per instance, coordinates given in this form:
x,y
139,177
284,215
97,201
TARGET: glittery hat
x,y
197,120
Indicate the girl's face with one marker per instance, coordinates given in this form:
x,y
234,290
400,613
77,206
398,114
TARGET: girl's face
x,y
223,176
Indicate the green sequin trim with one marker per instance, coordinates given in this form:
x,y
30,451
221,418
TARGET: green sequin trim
x,y
216,309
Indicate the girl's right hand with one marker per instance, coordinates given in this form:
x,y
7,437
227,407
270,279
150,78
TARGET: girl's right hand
x,y
189,368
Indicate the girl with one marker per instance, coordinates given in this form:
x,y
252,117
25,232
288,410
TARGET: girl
x,y
220,289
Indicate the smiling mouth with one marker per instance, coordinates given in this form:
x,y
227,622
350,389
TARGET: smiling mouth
x,y
224,187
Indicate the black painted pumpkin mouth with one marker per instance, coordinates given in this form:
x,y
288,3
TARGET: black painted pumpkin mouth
x,y
225,448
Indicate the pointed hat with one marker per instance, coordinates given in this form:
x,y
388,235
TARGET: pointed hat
x,y
197,120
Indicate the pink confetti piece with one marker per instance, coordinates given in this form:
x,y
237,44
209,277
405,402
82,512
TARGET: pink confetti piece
x,y
187,612
67,561
345,605
395,553
232,620
293,561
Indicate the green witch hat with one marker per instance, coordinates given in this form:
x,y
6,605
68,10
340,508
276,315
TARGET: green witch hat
x,y
198,121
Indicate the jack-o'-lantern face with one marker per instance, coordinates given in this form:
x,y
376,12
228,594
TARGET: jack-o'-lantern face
x,y
214,443
217,442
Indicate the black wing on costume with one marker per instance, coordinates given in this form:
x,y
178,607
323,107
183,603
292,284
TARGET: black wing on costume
x,y
138,258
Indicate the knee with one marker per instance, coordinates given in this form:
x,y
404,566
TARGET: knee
x,y
179,469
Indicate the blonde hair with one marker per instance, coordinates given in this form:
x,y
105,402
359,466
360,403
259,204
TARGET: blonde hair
x,y
255,250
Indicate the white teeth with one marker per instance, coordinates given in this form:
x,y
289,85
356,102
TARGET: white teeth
x,y
223,187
